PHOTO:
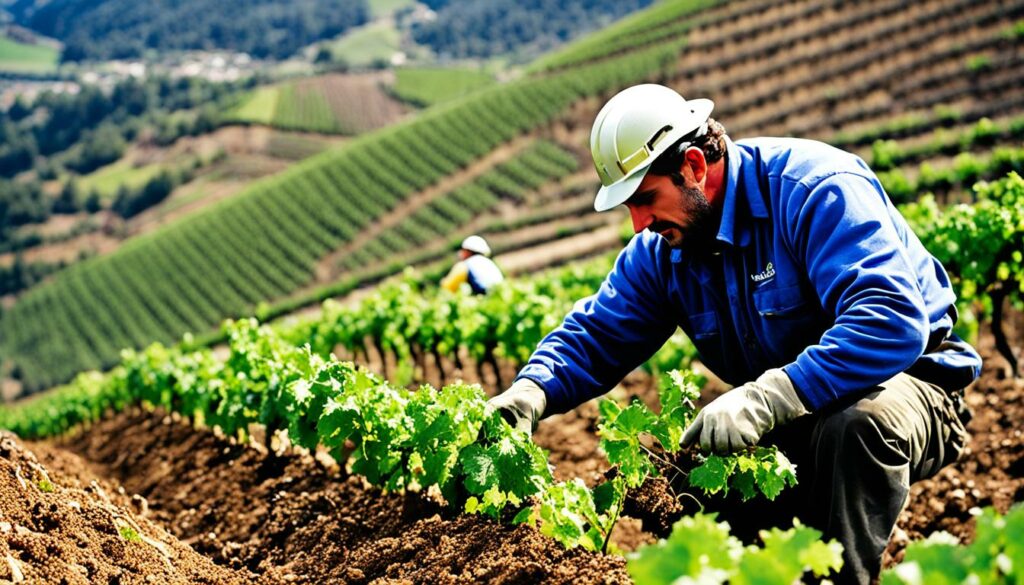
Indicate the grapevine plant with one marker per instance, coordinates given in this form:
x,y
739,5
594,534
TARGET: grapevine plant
x,y
411,321
701,550
622,430
982,246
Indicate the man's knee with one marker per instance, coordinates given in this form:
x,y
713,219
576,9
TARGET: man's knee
x,y
864,429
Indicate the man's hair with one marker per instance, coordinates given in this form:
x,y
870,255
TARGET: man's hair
x,y
712,144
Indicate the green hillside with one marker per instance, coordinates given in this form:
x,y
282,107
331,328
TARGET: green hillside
x,y
265,242
431,85
371,43
21,58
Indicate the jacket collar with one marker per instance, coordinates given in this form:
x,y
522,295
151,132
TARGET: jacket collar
x,y
744,198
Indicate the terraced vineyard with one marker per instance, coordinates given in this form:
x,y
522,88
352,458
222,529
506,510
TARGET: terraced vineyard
x,y
836,71
442,219
264,242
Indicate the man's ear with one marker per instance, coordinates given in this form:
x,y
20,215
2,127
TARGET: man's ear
x,y
694,158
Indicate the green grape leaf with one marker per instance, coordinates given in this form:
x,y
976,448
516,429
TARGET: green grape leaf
x,y
699,548
480,467
712,475
634,419
773,475
785,555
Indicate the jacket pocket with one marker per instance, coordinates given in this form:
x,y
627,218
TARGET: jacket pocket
x,y
788,301
790,321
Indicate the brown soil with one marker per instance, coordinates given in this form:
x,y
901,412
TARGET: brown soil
x,y
295,518
61,528
359,101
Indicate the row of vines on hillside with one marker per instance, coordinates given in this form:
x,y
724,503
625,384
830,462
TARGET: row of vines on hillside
x,y
414,323
441,219
982,246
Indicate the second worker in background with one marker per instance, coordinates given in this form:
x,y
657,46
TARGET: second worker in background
x,y
474,267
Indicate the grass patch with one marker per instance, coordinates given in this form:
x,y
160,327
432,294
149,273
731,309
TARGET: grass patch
x,y
379,8
106,180
368,44
428,86
20,58
259,107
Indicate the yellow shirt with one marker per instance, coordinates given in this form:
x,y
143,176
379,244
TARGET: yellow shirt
x,y
456,276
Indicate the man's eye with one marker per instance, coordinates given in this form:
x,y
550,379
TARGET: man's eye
x,y
642,199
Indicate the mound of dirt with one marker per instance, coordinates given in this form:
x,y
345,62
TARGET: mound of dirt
x,y
53,529
295,518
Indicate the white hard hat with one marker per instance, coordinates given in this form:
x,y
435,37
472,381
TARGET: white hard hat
x,y
633,129
476,244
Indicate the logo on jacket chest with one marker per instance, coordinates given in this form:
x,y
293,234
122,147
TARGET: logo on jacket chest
x,y
768,272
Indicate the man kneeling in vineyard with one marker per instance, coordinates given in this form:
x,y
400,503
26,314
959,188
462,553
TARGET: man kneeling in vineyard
x,y
798,281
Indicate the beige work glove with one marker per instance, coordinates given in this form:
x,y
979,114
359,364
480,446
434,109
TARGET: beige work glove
x,y
522,405
740,417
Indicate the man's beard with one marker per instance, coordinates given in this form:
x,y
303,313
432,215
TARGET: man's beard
x,y
701,226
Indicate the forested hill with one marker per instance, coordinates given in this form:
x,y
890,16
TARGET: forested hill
x,y
120,29
484,28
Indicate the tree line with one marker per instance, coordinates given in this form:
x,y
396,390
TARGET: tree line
x,y
61,135
90,128
484,28
127,29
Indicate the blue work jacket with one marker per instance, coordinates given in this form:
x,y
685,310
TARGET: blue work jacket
x,y
814,271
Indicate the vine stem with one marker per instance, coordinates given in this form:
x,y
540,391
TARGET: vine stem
x,y
614,519
654,455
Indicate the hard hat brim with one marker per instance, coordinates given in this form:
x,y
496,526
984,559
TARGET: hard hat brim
x,y
611,196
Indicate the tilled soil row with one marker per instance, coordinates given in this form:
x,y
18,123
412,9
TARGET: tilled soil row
x,y
57,527
297,519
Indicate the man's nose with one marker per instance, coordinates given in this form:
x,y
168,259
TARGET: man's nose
x,y
641,218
